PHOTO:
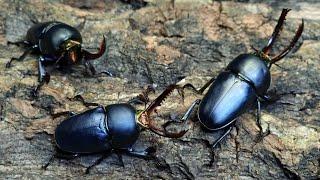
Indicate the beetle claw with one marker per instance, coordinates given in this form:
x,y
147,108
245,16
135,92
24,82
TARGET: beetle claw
x,y
145,120
91,56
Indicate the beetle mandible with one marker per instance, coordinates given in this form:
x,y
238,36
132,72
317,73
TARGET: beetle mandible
x,y
59,46
114,128
245,82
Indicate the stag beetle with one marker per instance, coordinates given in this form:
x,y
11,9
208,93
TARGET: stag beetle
x,y
245,82
59,45
114,128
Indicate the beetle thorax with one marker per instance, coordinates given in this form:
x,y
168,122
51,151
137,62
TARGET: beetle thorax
x,y
253,69
122,125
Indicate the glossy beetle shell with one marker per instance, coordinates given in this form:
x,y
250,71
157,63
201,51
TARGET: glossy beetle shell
x,y
84,133
227,98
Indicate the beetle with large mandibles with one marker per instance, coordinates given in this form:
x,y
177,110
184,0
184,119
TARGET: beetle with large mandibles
x,y
243,83
114,128
59,45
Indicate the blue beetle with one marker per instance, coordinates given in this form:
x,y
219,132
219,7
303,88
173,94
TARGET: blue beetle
x,y
245,82
114,128
59,45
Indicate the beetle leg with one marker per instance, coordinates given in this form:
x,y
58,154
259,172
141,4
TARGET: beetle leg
x,y
18,43
60,155
186,115
98,161
64,113
223,135
43,76
261,134
91,56
81,99
21,58
145,120
146,154
202,89
89,67
270,97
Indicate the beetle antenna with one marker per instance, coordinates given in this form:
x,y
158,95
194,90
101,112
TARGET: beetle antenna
x,y
145,120
91,56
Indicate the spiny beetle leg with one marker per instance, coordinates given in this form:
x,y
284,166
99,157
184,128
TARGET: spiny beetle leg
x,y
18,43
98,161
202,89
223,135
64,113
261,134
60,155
186,115
43,77
22,57
81,99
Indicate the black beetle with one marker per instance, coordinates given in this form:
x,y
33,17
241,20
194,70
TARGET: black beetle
x,y
59,45
245,81
114,128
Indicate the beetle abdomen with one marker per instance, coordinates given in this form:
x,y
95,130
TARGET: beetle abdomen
x,y
227,98
84,133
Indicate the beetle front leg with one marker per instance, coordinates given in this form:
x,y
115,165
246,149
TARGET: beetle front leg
x,y
43,76
22,57
64,113
201,90
85,103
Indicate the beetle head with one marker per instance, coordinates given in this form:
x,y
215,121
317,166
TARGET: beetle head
x,y
72,51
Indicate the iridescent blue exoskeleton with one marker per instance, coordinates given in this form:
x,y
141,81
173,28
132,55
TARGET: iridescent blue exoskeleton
x,y
243,83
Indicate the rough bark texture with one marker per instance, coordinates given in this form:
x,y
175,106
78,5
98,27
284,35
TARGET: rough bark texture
x,y
160,44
